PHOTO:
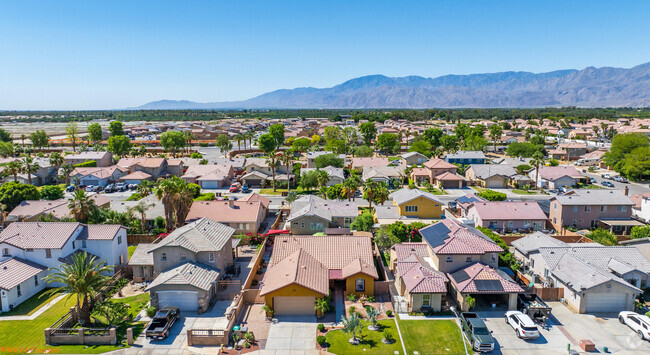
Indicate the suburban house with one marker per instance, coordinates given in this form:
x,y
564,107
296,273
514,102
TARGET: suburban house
x,y
210,176
409,204
103,159
258,172
44,175
156,209
96,176
572,151
466,157
508,216
496,175
382,174
585,208
311,214
437,166
243,216
360,163
470,260
555,177
156,167
32,210
412,158
417,280
462,204
303,268
336,174
311,156
30,249
641,244
141,263
641,208
448,180
188,263
136,177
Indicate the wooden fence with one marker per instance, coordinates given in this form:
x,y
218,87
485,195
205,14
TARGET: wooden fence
x,y
135,239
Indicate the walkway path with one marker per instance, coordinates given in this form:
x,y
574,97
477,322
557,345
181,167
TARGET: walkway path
x,y
339,304
37,313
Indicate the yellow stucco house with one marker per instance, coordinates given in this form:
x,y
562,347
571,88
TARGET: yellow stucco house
x,y
304,268
410,203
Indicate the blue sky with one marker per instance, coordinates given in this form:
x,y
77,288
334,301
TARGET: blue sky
x,y
116,54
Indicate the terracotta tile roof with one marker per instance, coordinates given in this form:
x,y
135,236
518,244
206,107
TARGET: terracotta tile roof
x,y
448,176
358,163
202,235
297,268
420,172
556,172
437,163
100,173
509,210
136,175
59,208
226,211
256,197
421,279
15,271
143,162
208,172
479,278
190,273
404,250
38,235
449,237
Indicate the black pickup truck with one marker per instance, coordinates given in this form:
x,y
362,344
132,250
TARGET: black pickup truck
x,y
162,322
533,306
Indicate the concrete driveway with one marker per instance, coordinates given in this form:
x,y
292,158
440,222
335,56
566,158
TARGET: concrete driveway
x,y
292,333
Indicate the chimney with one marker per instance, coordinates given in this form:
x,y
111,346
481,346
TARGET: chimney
x,y
626,190
231,203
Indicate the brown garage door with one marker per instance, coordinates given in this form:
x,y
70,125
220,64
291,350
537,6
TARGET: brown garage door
x,y
294,306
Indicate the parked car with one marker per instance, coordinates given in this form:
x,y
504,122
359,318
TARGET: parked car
x,y
477,332
234,187
522,324
607,183
70,188
638,322
120,186
89,188
109,188
162,322
133,187
606,176
593,181
245,189
619,178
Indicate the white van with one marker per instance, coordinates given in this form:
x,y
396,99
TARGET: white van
x,y
587,162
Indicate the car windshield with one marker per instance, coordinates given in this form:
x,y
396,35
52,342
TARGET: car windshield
x,y
481,331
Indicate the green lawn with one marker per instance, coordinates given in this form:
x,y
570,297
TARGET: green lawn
x,y
371,343
25,334
432,336
479,189
137,302
525,192
131,249
434,191
32,304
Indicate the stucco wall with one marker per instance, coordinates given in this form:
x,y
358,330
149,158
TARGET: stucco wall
x,y
291,291
426,208
350,285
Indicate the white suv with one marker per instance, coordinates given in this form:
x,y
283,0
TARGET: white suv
x,y
638,322
522,324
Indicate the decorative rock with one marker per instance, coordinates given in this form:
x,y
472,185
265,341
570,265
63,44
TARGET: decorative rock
x,y
383,340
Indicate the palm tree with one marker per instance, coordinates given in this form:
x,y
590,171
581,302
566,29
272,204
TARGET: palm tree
x,y
369,189
538,158
322,305
177,200
323,178
273,163
65,171
372,314
381,193
56,160
238,138
188,140
122,218
22,139
250,136
29,167
351,185
84,277
81,206
146,187
351,325
142,207
286,157
14,168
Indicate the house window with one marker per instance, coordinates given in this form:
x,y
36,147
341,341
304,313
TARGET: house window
x,y
183,256
555,206
494,257
316,226
532,262
546,273
468,259
119,239
361,285
603,208
621,208
411,208
575,222
575,208
83,243
593,223
510,225
211,256
20,293
29,250
5,252
163,257
302,225
48,253
449,258
587,208
347,221
555,220
35,280
426,300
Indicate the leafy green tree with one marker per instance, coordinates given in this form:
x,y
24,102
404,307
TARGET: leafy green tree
x,y
5,136
268,144
95,133
309,180
602,236
72,132
223,143
51,192
433,135
173,141
326,160
363,151
636,164
332,132
7,149
385,239
39,139
474,143
116,128
334,192
553,162
301,144
119,145
624,144
388,143
521,149
363,222
640,232
350,136
422,146
368,132
492,195
277,131
13,193
462,130
335,145
449,143
115,313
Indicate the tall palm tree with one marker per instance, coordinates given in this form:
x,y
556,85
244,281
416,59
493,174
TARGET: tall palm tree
x,y
84,277
238,138
369,189
22,139
29,168
188,140
272,160
114,217
142,207
286,157
351,325
65,171
56,160
538,158
351,185
177,200
14,168
381,193
81,206
323,178
250,136
146,187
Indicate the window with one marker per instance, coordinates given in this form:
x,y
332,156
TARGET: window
x,y
510,225
411,208
593,223
20,293
449,258
48,253
5,252
603,208
546,273
468,259
211,256
121,259
532,262
119,239
575,208
347,221
587,208
316,226
426,300
83,243
575,222
554,219
361,285
621,208
163,257
183,256
494,257
35,280
29,250
555,206
302,225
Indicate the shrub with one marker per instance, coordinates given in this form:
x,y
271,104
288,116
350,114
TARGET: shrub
x,y
492,195
208,196
151,311
51,192
388,336
321,327
135,197
370,299
352,310
196,190
389,313
196,155
87,164
321,340
352,297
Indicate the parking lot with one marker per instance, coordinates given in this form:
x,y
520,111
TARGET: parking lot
x,y
566,327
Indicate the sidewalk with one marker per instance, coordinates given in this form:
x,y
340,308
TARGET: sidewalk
x,y
37,313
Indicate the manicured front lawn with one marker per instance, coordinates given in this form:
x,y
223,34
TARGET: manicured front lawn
x,y
479,189
434,191
432,337
371,342
32,304
525,192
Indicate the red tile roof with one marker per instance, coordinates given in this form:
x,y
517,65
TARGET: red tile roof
x,y
479,278
450,237
509,210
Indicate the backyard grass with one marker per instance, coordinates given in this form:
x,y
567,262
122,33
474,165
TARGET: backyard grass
x,y
131,250
432,337
371,343
137,302
271,192
32,304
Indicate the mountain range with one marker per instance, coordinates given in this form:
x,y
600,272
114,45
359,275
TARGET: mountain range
x,y
589,87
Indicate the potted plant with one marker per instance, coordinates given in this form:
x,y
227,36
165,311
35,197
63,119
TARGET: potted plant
x,y
235,339
372,314
269,312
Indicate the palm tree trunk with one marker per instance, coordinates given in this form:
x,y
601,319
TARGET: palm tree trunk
x,y
273,172
288,182
536,175
15,176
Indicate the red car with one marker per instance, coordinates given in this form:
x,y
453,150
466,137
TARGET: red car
x,y
234,187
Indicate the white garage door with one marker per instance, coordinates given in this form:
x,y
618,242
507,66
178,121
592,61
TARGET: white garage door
x,y
212,184
185,300
606,302
293,306
496,183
